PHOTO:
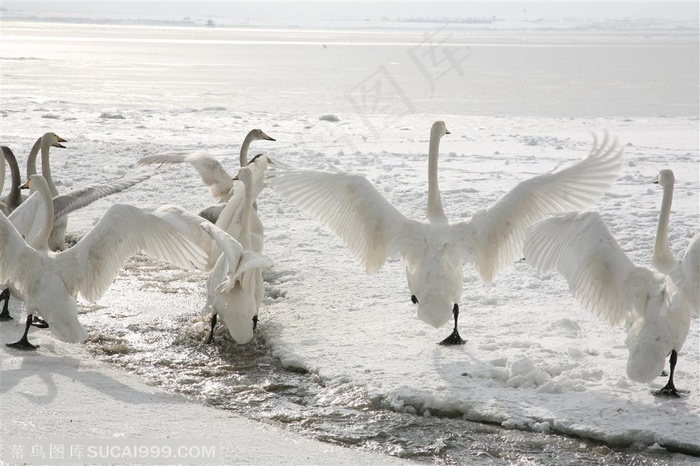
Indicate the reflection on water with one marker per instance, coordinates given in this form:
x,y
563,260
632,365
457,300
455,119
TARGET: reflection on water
x,y
247,380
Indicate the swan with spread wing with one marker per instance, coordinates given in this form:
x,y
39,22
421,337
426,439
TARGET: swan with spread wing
x,y
434,252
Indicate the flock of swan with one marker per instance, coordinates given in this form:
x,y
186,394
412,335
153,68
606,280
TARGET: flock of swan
x,y
544,217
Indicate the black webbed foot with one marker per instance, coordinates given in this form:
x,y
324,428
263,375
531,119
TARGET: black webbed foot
x,y
255,322
22,344
453,339
414,300
671,391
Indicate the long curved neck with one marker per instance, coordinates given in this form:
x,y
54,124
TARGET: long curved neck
x,y
245,218
14,197
435,213
46,166
42,239
31,160
663,257
244,149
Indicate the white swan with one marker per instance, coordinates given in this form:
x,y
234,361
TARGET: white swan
x,y
49,282
210,170
657,306
435,252
28,218
14,198
57,239
237,299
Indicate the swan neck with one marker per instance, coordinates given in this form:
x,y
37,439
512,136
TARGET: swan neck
x,y
435,212
662,250
42,238
15,195
46,167
31,160
245,219
244,150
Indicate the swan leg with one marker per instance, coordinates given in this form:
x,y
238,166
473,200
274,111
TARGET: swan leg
x,y
454,338
670,389
38,322
414,300
23,343
5,314
211,330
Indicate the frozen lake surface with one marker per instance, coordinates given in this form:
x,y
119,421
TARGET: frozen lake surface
x,y
340,356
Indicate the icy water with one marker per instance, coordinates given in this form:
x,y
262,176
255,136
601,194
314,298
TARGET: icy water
x,y
171,85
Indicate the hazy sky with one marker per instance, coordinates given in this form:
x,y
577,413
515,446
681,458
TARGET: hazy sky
x,y
359,10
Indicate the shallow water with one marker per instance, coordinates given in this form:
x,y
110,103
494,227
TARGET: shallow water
x,y
249,381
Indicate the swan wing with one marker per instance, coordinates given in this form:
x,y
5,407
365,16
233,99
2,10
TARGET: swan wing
x,y
687,274
600,275
13,256
94,262
352,208
210,170
493,238
76,199
29,213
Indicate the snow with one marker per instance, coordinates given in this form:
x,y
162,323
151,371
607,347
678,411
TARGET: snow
x,y
533,360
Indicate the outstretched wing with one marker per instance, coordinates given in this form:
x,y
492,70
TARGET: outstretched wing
x,y
351,207
14,256
124,230
210,170
600,275
493,238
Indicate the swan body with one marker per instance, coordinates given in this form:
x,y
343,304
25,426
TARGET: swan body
x,y
49,282
657,306
212,172
435,252
14,198
236,295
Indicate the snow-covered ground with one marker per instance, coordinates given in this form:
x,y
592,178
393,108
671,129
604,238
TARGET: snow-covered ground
x,y
533,359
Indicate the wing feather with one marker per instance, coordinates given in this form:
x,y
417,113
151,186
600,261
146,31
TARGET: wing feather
x,y
210,170
124,230
581,248
351,207
493,238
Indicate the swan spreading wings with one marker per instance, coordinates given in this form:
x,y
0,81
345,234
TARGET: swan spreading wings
x,y
656,303
48,282
435,252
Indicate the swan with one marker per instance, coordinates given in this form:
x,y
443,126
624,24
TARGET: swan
x,y
656,305
28,217
434,252
48,282
237,299
210,170
57,240
14,197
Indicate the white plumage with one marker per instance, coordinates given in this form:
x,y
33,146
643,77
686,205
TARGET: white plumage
x,y
435,252
49,282
656,305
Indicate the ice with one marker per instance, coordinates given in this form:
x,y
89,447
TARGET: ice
x,y
533,359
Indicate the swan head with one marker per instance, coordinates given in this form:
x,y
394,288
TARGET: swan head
x,y
259,135
261,160
665,178
54,140
245,175
439,129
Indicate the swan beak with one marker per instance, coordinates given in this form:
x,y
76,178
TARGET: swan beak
x,y
270,161
58,142
447,131
656,181
267,138
25,185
